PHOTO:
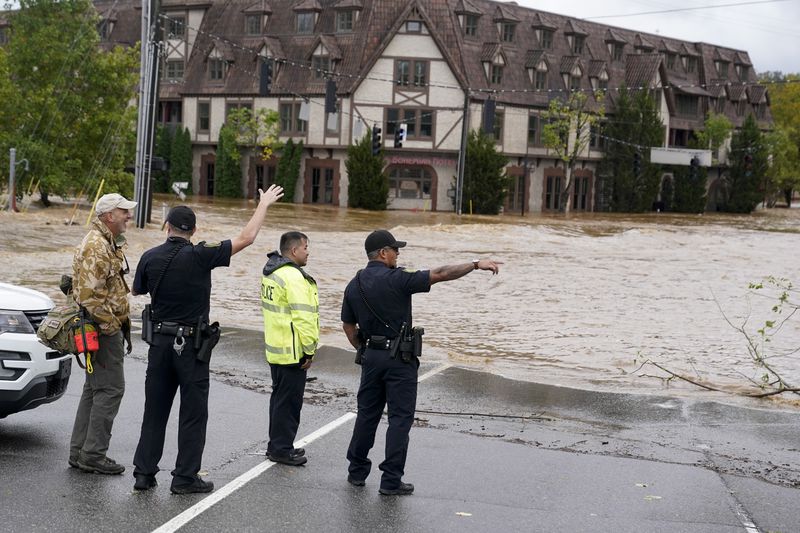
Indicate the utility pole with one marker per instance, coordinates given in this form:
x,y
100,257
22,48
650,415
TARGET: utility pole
x,y
12,171
148,98
462,154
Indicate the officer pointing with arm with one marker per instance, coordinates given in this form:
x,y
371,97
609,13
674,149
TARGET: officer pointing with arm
x,y
177,275
376,317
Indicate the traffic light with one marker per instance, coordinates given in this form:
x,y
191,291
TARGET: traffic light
x,y
489,108
748,164
637,163
376,141
265,79
399,135
330,96
694,167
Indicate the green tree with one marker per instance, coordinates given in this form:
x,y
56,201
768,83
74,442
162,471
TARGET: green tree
x,y
257,130
785,145
634,127
180,168
288,171
689,189
68,108
567,133
368,186
716,130
748,167
162,148
227,172
485,179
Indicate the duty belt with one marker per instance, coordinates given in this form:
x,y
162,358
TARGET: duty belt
x,y
379,342
171,328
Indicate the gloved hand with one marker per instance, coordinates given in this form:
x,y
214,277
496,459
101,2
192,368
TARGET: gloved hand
x,y
126,334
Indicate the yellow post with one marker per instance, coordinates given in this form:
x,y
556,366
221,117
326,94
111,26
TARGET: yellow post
x,y
470,206
96,197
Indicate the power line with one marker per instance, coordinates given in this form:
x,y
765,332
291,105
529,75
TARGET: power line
x,y
683,9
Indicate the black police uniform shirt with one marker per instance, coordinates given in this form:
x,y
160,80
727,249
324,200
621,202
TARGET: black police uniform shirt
x,y
184,293
388,291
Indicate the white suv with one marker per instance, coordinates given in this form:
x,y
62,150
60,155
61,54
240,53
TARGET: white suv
x,y
30,373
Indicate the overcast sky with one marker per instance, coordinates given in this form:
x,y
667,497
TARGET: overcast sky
x,y
769,32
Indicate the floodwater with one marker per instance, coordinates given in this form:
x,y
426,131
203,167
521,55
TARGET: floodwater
x,y
579,301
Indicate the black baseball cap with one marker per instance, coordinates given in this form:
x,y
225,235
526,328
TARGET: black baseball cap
x,y
182,218
380,238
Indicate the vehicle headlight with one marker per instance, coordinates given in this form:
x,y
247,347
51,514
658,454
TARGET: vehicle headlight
x,y
14,322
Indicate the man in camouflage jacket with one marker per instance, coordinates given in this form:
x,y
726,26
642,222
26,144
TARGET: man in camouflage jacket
x,y
98,268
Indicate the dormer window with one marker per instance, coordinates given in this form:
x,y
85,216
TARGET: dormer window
x,y
545,39
690,64
742,71
538,75
320,65
305,22
600,83
216,69
617,51
722,68
576,42
670,60
103,29
470,25
252,25
496,76
176,27
344,21
413,26
507,30
573,78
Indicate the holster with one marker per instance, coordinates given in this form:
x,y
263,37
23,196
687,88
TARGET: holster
x,y
210,337
411,345
147,325
362,345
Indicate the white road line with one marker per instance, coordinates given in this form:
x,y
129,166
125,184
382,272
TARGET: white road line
x,y
209,501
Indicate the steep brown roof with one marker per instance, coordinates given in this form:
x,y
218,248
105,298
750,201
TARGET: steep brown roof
x,y
596,67
308,5
465,6
572,27
541,21
258,8
489,51
614,37
642,42
741,58
532,58
665,46
756,93
641,69
568,63
716,88
330,44
503,13
736,92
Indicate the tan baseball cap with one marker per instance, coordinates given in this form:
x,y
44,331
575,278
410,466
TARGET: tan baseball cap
x,y
109,202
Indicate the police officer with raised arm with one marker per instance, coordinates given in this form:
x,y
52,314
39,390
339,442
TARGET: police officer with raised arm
x,y
177,275
376,317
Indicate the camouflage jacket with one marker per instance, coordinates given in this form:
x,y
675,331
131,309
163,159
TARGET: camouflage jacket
x,y
98,282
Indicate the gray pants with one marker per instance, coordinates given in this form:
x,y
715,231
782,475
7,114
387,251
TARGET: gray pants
x,y
102,394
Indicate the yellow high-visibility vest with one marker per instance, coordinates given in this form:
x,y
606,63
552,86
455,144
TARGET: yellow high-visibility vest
x,y
290,305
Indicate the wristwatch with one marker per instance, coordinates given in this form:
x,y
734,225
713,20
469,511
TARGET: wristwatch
x,y
475,264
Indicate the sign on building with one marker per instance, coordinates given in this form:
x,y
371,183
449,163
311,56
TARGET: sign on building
x,y
679,156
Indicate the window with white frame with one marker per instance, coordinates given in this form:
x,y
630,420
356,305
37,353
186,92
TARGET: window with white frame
x,y
344,20
176,27
174,69
320,65
507,31
290,119
470,25
411,73
305,22
252,25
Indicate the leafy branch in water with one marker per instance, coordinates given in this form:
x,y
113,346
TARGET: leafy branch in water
x,y
769,380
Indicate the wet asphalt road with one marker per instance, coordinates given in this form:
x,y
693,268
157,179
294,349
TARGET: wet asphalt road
x,y
486,454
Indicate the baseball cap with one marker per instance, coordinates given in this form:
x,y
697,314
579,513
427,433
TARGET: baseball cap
x,y
182,217
381,238
109,202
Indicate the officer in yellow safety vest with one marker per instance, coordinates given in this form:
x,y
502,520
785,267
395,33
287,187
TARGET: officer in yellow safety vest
x,y
290,304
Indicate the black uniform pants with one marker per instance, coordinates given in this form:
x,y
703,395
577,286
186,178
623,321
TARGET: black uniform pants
x,y
166,372
384,381
285,403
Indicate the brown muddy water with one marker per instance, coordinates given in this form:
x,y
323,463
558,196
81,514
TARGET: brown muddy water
x,y
579,302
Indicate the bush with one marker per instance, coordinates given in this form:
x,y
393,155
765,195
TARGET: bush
x,y
368,187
